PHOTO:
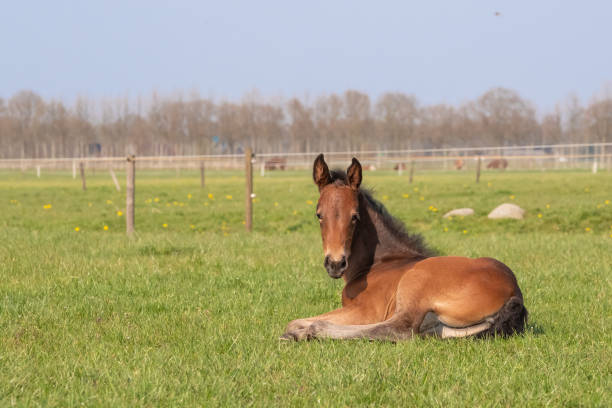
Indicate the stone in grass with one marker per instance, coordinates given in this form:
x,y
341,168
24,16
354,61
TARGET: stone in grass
x,y
459,212
507,210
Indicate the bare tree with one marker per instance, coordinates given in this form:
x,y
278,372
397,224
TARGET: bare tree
x,y
172,125
599,120
397,116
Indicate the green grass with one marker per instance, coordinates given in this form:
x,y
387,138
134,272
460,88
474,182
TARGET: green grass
x,y
189,314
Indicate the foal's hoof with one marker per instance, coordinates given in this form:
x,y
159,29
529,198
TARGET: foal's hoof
x,y
288,337
316,329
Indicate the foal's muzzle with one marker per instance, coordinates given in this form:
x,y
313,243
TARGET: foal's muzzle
x,y
335,269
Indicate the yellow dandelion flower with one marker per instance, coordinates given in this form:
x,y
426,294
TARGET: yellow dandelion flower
x,y
47,206
450,218
599,205
607,202
416,189
77,229
175,203
189,196
225,234
89,204
489,184
586,190
587,229
465,231
119,213
434,209
275,204
309,202
105,228
406,195
109,202
205,203
540,215
156,199
294,212
385,197
228,197
547,206
192,226
168,204
165,225
210,196
445,229
512,197
422,198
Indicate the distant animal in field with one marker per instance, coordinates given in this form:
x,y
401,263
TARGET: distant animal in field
x,y
399,166
498,164
275,163
459,164
395,286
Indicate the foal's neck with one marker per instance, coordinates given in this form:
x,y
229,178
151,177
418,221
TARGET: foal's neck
x,y
375,241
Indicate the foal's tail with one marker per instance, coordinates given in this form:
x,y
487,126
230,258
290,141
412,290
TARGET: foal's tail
x,y
510,319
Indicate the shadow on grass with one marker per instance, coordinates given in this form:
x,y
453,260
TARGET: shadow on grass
x,y
534,329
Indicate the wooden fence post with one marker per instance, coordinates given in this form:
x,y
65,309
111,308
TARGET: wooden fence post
x,y
129,202
73,169
478,169
82,168
38,171
411,171
202,174
248,157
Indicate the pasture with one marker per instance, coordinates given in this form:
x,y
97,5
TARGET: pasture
x,y
189,311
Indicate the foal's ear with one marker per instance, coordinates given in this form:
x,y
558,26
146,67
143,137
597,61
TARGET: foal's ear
x,y
320,172
353,174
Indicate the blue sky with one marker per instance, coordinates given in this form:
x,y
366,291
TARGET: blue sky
x,y
441,51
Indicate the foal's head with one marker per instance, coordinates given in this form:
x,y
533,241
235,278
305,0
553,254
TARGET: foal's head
x,y
338,213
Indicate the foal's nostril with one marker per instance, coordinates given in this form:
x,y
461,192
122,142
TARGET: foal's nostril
x,y
335,269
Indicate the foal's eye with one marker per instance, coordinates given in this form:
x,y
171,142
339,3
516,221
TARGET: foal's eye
x,y
354,218
319,216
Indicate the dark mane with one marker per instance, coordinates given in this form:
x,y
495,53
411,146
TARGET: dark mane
x,y
412,241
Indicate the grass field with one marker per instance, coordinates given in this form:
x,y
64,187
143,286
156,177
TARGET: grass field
x,y
188,312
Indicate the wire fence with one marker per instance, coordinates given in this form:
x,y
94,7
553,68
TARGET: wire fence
x,y
540,157
545,157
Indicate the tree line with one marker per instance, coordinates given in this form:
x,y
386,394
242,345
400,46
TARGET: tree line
x,y
33,127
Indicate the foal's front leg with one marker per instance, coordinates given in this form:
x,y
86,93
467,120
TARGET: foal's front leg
x,y
399,327
299,329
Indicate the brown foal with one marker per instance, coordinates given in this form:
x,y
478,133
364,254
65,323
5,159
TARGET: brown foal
x,y
395,287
